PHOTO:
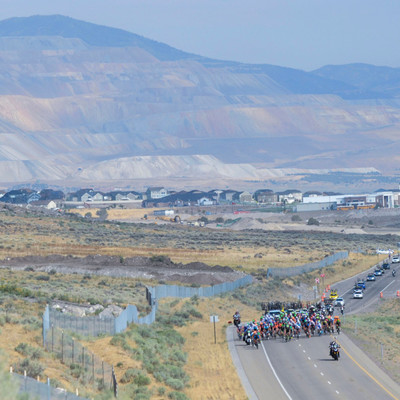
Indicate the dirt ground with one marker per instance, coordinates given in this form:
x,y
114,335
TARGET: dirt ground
x,y
159,268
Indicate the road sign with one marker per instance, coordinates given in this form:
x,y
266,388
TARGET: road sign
x,y
316,280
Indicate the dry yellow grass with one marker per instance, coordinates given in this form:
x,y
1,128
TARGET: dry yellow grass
x,y
344,269
210,366
12,335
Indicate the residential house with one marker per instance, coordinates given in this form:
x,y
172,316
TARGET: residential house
x,y
48,204
33,197
204,201
156,193
125,196
266,197
290,196
245,197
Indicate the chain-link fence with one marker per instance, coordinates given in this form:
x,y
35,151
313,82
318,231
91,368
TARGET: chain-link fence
x,y
85,366
96,325
161,291
302,269
42,391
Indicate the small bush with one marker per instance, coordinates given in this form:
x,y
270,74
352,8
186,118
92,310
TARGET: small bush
x,y
176,384
295,218
313,221
142,380
177,396
43,278
129,375
32,368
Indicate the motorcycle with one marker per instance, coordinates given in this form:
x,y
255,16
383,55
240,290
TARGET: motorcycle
x,y
393,273
248,338
335,354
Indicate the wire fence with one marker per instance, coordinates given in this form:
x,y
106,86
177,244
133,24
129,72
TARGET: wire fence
x,y
161,291
96,325
85,366
42,391
302,269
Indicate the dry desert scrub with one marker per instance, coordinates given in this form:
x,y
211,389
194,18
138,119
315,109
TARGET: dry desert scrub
x,y
378,331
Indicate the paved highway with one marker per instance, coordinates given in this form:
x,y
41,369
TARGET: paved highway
x,y
302,369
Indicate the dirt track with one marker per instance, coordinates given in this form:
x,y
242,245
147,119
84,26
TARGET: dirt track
x,y
159,268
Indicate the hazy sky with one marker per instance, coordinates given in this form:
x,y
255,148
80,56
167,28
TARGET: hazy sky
x,y
305,34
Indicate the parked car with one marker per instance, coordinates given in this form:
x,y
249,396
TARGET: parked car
x,y
358,294
385,266
371,277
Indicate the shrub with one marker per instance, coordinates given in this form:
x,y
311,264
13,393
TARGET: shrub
x,y
29,351
32,368
296,217
129,375
176,384
43,278
177,396
141,380
312,221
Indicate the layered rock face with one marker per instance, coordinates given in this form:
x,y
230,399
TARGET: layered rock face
x,y
85,103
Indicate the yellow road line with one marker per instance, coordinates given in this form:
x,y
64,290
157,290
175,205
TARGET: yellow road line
x,y
362,368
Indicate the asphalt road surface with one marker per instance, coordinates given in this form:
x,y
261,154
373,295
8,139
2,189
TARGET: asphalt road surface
x,y
303,369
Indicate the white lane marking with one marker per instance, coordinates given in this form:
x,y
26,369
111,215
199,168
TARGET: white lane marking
x,y
309,358
337,392
274,372
322,374
330,383
304,351
387,286
315,365
299,345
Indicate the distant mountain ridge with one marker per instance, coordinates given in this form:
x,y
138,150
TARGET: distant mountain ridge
x,y
81,102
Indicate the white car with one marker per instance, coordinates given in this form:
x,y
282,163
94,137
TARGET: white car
x,y
358,294
339,302
396,259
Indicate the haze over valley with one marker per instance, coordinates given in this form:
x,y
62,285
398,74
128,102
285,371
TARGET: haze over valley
x,y
83,104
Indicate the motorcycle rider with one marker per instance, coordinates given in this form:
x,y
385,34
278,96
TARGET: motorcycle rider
x,y
333,346
236,318
394,273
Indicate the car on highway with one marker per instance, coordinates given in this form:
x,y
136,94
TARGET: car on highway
x,y
378,272
275,313
396,259
334,294
339,302
358,294
371,277
385,266
361,284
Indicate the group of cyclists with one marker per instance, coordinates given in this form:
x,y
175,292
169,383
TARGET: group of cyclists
x,y
288,324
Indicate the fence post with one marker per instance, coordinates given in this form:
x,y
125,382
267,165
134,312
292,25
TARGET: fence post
x,y
102,367
83,357
62,347
73,351
52,338
93,368
48,389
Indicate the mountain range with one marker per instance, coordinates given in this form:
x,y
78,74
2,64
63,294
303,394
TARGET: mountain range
x,y
85,104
